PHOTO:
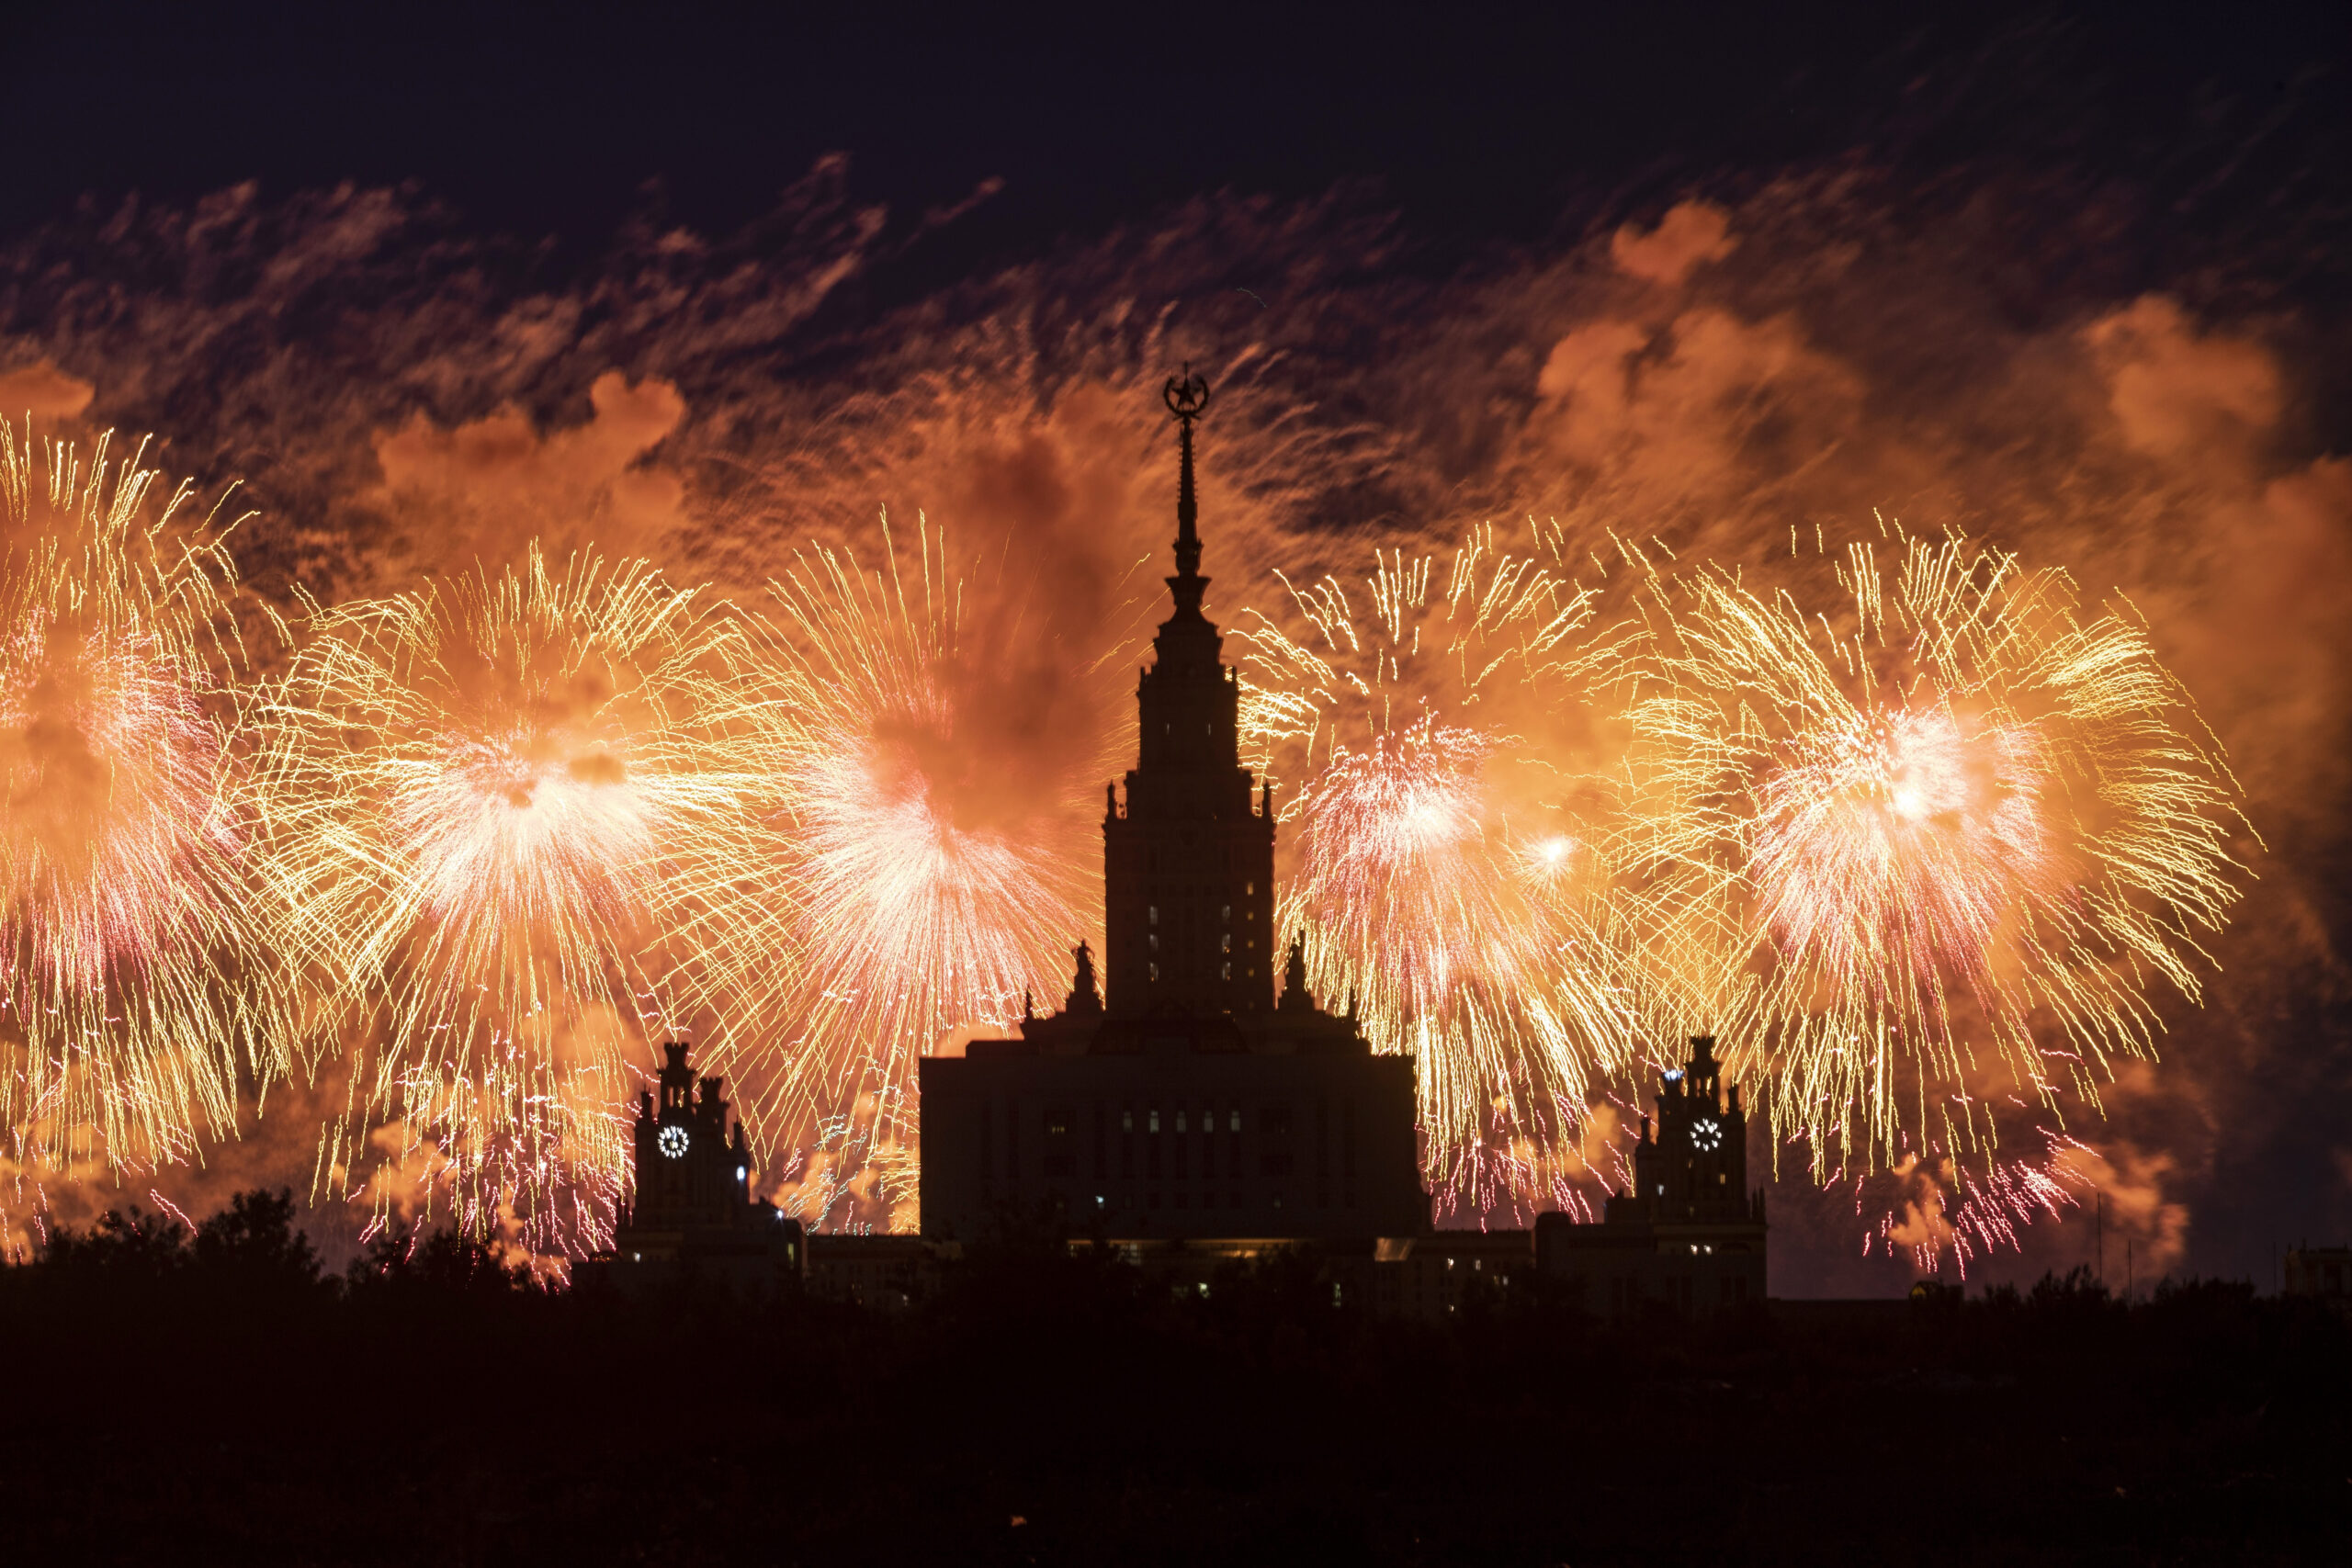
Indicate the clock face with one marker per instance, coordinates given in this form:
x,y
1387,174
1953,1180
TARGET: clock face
x,y
671,1142
1706,1134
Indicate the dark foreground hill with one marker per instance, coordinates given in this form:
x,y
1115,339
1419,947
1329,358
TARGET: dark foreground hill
x,y
214,1398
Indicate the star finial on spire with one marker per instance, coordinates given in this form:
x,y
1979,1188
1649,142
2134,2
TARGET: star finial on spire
x,y
1187,397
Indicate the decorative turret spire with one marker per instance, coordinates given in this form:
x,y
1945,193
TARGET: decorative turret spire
x,y
1187,397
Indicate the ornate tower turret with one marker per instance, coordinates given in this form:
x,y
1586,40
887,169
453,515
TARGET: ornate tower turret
x,y
690,1172
1188,862
1693,1165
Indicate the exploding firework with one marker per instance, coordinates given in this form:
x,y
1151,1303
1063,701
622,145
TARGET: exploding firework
x,y
1443,861
493,799
932,864
136,978
1923,862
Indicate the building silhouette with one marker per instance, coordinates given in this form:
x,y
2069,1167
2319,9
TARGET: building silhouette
x,y
2322,1272
692,1215
1691,1234
1179,1098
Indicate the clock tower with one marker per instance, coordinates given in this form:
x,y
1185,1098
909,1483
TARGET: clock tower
x,y
693,1211
1688,1237
1695,1167
689,1170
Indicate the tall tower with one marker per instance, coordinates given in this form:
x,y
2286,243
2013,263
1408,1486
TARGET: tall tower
x,y
1184,1107
1188,857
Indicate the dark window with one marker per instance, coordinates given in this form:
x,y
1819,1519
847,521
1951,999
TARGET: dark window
x,y
1102,1152
1011,1139
1058,1119
1278,1121
987,1139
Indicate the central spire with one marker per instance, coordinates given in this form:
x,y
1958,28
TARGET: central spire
x,y
1187,397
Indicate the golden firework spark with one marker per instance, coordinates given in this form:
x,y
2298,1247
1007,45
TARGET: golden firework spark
x,y
136,972
1444,854
933,861
1921,861
493,799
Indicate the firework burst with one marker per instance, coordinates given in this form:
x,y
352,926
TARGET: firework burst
x,y
932,864
1443,864
1924,860
493,797
136,977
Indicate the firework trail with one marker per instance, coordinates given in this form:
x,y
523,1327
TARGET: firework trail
x,y
935,859
492,798
136,978
1920,863
1443,860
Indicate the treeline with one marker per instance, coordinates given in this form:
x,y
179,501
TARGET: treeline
x,y
252,1250
182,1395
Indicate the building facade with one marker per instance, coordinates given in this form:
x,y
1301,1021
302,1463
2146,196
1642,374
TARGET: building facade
x,y
1689,1237
2324,1272
693,1213
1179,1098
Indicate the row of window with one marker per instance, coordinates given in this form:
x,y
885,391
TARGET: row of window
x,y
1224,972
1162,1151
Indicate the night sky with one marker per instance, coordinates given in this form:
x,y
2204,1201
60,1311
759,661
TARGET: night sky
x,y
711,284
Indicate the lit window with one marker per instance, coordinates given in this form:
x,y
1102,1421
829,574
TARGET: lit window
x,y
1154,1118
1155,971
1248,889
1227,916
1233,1120
1229,942
1227,973
1155,914
1154,940
1180,1121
